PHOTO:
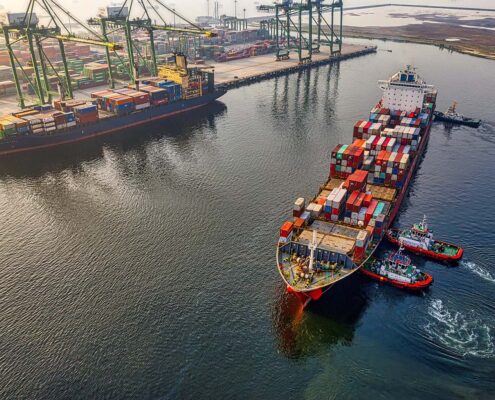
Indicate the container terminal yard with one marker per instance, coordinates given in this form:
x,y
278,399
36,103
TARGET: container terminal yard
x,y
50,63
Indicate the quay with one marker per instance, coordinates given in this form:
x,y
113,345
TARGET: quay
x,y
258,68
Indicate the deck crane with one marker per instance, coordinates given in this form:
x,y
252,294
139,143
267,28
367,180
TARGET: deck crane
x,y
25,27
118,18
288,18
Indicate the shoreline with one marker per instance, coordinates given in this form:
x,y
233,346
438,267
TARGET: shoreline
x,y
408,34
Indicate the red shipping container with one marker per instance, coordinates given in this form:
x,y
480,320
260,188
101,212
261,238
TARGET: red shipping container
x,y
350,201
296,213
87,118
358,203
367,199
335,211
336,150
327,216
298,223
358,253
367,126
286,229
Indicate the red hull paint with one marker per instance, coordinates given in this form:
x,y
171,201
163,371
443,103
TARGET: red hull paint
x,y
401,285
428,253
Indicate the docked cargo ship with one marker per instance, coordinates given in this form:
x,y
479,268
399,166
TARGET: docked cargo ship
x,y
336,232
178,89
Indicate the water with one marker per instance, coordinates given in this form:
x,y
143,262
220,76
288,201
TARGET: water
x,y
143,266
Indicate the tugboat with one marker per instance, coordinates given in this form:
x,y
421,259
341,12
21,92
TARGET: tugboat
x,y
419,239
453,117
398,271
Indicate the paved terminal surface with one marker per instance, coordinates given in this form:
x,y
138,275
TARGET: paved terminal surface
x,y
259,66
231,73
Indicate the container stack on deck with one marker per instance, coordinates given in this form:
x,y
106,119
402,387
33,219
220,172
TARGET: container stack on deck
x,y
152,92
366,176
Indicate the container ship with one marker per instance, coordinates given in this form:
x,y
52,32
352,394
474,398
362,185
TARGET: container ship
x,y
178,89
332,235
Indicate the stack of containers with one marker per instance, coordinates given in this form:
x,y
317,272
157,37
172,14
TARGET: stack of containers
x,y
174,91
157,96
70,119
86,114
48,122
120,104
414,122
370,211
21,126
360,245
391,169
334,204
7,127
298,208
69,105
60,120
382,119
356,207
345,160
35,123
396,116
356,181
378,109
364,129
141,99
379,224
96,72
286,232
314,209
404,135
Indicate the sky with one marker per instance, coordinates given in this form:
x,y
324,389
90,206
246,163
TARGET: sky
x,y
193,8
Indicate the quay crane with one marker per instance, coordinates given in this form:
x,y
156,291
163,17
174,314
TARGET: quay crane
x,y
119,18
288,19
26,27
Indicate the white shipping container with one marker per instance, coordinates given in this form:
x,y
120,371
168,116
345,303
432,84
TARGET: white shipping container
x,y
142,106
299,204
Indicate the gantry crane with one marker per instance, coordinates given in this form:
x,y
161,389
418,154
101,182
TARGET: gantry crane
x,y
27,28
288,19
119,18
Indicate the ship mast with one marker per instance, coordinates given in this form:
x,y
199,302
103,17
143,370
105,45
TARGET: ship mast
x,y
312,247
424,224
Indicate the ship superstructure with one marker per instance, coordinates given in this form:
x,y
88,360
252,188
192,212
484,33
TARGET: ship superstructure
x,y
339,229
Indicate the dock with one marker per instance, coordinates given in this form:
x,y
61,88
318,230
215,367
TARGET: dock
x,y
258,68
240,72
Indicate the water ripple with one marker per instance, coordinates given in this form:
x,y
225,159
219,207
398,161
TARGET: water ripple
x,y
464,334
478,270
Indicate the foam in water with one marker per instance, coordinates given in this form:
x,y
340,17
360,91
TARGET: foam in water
x,y
465,335
478,270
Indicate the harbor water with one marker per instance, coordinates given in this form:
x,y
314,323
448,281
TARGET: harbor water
x,y
143,265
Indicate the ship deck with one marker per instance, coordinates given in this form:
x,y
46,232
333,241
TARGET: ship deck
x,y
319,278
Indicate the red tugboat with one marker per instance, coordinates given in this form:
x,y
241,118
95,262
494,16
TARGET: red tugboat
x,y
398,271
419,239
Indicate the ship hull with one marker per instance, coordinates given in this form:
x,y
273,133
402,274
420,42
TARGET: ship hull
x,y
416,286
105,126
